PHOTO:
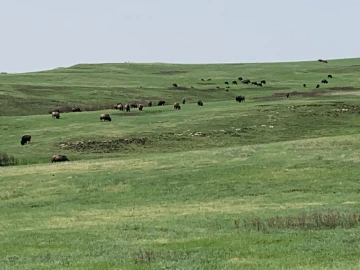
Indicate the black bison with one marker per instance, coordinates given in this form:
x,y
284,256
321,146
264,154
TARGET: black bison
x,y
324,81
304,85
263,82
318,85
59,158
323,61
175,85
76,109
240,78
200,103
240,98
105,117
234,82
183,101
246,81
202,80
55,114
25,139
120,107
329,76
127,107
149,103
140,107
161,102
226,82
209,79
133,105
287,95
177,106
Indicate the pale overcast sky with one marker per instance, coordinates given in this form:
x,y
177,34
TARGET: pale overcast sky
x,y
45,34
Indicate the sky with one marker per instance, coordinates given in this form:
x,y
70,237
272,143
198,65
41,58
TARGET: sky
x,y
46,34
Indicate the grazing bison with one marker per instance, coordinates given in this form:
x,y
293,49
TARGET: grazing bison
x,y
161,102
200,103
329,76
304,85
183,101
287,95
175,85
55,114
127,107
120,107
76,109
25,139
318,85
246,81
140,106
105,117
133,105
202,80
263,82
226,82
324,81
59,158
234,82
177,106
240,78
149,103
240,98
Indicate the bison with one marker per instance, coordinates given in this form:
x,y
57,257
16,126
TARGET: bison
x,y
25,139
177,106
304,85
226,82
183,101
287,95
59,158
240,78
240,98
127,107
55,114
76,109
246,81
234,82
133,105
120,107
149,103
329,76
200,103
161,102
105,117
263,82
318,85
324,81
140,107
175,85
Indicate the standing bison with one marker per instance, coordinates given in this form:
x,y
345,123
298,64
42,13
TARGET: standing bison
x,y
140,107
200,103
149,103
105,117
59,158
55,114
183,101
175,85
161,102
177,106
25,139
120,107
76,109
127,107
287,95
240,98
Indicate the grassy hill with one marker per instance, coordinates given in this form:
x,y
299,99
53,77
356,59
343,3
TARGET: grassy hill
x,y
270,183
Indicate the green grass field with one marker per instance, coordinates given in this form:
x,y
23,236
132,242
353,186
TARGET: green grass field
x,y
270,183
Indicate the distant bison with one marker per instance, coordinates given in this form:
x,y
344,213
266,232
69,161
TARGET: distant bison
x,y
105,117
183,101
240,98
304,85
323,61
25,139
234,82
149,103
76,109
55,114
246,81
226,82
329,76
263,82
120,107
324,81
133,105
140,107
287,95
318,85
177,106
161,102
200,103
240,78
59,158
127,107
175,85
